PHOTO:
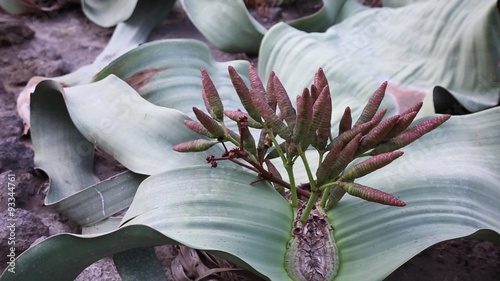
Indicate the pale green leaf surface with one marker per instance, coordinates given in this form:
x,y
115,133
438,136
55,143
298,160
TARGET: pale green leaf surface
x,y
88,101
331,12
106,225
414,48
167,73
13,7
218,210
444,203
67,157
399,3
226,24
138,134
229,26
63,257
139,264
18,7
101,200
108,13
450,182
60,150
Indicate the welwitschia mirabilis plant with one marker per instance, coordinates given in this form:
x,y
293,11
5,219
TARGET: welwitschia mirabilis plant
x,y
448,179
223,198
311,252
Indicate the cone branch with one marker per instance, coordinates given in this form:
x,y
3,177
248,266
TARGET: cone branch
x,y
244,94
235,115
410,135
195,145
272,120
373,104
371,194
285,105
346,121
198,128
371,164
211,97
403,123
209,123
304,106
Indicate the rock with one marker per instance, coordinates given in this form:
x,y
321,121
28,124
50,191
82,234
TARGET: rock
x,y
15,156
14,32
13,124
26,188
24,230
103,269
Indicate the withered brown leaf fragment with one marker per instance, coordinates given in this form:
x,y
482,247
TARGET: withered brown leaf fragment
x,y
141,78
263,144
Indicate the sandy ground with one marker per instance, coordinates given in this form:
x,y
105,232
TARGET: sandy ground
x,y
55,44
